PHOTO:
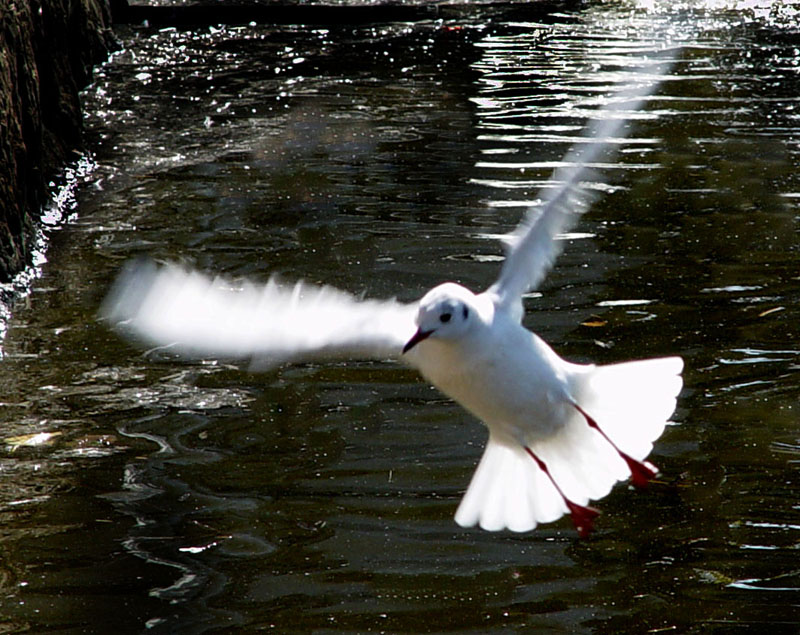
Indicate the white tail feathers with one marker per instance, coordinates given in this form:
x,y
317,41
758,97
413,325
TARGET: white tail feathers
x,y
629,404
508,491
631,401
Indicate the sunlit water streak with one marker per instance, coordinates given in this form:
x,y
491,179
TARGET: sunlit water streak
x,y
320,498
60,209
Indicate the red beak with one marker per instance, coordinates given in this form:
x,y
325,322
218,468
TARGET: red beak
x,y
416,339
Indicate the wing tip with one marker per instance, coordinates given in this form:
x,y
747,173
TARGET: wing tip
x,y
128,291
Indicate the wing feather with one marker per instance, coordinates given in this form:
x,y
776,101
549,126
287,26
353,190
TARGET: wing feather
x,y
197,316
532,247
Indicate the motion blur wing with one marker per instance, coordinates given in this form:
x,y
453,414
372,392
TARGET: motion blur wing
x,y
532,247
197,316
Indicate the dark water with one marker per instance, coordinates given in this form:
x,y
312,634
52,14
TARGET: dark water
x,y
167,497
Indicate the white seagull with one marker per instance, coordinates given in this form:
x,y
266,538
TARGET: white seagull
x,y
560,434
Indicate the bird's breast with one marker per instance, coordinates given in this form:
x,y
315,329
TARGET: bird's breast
x,y
514,387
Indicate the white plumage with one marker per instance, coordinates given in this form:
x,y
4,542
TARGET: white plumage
x,y
197,316
560,434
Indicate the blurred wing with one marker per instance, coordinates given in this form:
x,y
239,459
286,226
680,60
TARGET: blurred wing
x,y
532,247
196,316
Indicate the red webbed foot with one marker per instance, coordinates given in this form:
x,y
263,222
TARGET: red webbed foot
x,y
582,515
642,472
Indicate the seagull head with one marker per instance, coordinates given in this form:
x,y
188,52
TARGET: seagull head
x,y
446,312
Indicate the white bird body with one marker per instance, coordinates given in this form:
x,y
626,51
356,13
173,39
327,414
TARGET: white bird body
x,y
530,398
560,434
499,371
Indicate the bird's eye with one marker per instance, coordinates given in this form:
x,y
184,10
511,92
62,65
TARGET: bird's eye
x,y
465,311
445,317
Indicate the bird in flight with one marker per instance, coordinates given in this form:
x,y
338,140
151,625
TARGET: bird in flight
x,y
560,434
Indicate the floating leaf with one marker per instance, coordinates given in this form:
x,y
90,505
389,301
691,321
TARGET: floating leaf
x,y
30,440
775,309
595,322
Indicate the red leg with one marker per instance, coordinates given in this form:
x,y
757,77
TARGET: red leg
x,y
641,471
582,516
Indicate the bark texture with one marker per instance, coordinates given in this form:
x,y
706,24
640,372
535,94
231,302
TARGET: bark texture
x,y
47,50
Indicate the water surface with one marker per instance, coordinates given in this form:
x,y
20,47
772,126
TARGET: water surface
x,y
142,494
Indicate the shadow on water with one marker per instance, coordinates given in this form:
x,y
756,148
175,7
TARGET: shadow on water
x,y
143,494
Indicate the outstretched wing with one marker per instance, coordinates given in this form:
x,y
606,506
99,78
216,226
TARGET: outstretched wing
x,y
197,316
532,247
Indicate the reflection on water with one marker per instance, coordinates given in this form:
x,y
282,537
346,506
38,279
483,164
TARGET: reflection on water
x,y
145,494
